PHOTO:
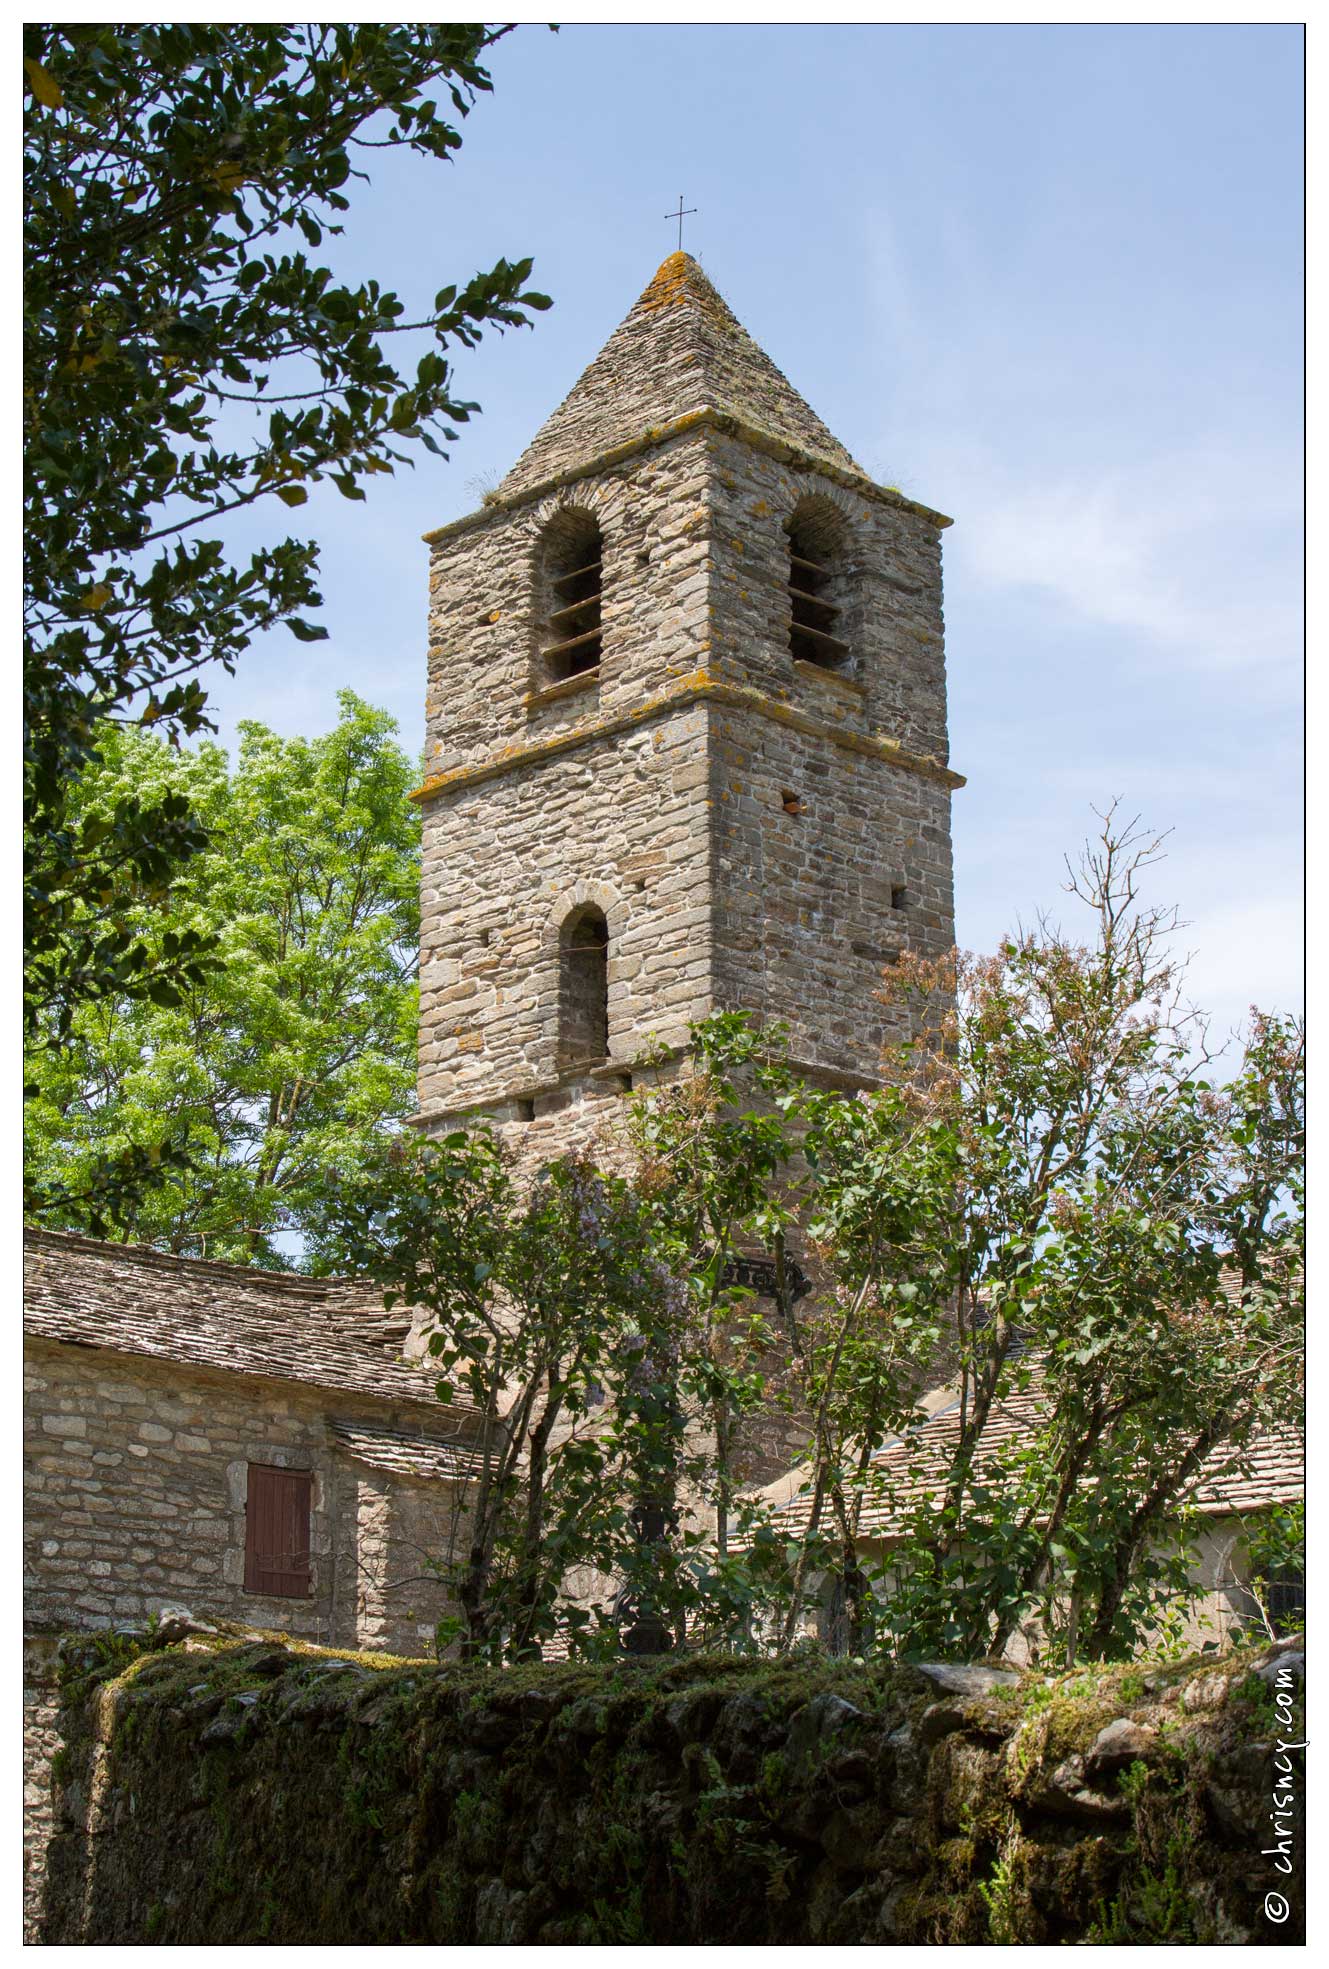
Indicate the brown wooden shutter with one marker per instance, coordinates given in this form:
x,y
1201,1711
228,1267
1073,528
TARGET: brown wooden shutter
x,y
277,1532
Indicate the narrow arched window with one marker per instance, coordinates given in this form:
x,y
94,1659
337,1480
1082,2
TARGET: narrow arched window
x,y
816,586
583,987
569,602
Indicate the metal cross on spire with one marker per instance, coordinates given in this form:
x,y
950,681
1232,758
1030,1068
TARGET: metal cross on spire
x,y
680,215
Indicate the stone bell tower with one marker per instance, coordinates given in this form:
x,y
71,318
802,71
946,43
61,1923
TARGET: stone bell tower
x,y
686,736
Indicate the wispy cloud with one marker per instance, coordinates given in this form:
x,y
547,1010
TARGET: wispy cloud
x,y
1244,954
1175,552
1087,461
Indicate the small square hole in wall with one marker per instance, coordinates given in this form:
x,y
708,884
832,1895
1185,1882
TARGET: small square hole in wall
x,y
485,936
899,896
525,1110
791,802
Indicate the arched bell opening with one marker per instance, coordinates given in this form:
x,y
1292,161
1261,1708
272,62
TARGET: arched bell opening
x,y
818,585
568,606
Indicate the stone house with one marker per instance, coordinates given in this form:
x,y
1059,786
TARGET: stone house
x,y
253,1446
158,1387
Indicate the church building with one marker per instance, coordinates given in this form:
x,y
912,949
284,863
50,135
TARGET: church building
x,y
686,736
686,753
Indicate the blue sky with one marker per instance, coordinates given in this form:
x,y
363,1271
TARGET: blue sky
x,y
1046,279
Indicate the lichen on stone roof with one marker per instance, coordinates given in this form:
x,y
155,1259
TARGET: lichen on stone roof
x,y
323,1333
681,349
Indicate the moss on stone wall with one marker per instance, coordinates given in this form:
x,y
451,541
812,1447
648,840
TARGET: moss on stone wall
x,y
252,1790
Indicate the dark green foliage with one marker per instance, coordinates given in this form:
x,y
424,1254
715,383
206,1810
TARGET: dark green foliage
x,y
1276,1552
552,1324
1049,1199
184,357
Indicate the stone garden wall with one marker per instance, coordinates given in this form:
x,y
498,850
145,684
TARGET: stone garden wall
x,y
41,1746
246,1790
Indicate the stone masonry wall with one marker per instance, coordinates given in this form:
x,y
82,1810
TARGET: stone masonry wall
x,y
41,1742
258,1794
656,786
486,689
893,682
806,915
809,902
136,1474
623,826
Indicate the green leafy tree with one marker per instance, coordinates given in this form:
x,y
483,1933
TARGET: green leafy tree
x,y
713,1152
185,357
876,1205
550,1318
1051,1202
738,1157
239,1093
1276,1557
1087,1222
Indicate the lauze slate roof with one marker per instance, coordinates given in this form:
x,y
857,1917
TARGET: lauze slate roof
x,y
319,1333
679,351
408,1455
1269,1470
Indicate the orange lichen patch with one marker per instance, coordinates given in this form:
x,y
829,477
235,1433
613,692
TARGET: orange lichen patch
x,y
680,280
670,283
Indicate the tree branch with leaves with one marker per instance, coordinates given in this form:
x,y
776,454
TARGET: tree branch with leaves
x,y
184,358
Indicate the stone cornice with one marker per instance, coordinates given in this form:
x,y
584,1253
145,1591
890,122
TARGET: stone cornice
x,y
698,688
696,420
606,1074
610,1072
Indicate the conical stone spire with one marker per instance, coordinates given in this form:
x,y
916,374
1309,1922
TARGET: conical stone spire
x,y
679,351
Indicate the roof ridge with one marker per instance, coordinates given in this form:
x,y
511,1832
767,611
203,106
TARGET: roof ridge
x,y
145,1254
78,1292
